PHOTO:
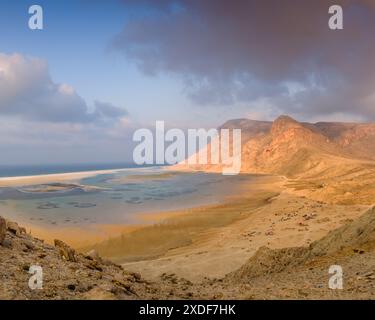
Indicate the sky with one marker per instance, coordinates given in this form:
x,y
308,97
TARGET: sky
x,y
76,90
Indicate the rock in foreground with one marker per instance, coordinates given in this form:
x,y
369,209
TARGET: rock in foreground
x,y
66,274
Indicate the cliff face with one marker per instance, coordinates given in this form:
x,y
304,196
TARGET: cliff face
x,y
299,149
288,148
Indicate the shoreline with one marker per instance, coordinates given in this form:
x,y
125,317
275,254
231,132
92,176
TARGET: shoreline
x,y
55,177
88,235
286,221
92,234
171,230
210,240
79,236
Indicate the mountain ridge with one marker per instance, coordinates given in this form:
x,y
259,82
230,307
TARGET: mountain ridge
x,y
328,161
269,146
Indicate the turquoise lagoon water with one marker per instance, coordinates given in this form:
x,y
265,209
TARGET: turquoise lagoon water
x,y
116,198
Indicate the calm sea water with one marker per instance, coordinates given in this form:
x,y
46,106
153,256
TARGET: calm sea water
x,y
115,198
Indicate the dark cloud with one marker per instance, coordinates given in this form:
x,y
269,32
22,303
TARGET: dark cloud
x,y
241,51
27,91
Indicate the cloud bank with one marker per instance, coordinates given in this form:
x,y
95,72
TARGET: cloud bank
x,y
279,52
28,92
45,122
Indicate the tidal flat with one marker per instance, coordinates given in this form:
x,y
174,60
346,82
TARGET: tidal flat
x,y
83,209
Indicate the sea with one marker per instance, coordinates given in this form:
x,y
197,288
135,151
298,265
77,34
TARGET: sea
x,y
118,197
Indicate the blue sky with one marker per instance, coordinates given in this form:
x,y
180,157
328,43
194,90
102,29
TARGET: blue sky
x,y
76,43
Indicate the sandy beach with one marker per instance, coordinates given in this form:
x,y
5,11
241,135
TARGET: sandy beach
x,y
48,178
285,220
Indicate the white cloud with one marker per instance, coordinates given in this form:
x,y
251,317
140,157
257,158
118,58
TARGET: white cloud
x,y
45,122
28,92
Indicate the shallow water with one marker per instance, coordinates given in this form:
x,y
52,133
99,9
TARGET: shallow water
x,y
116,198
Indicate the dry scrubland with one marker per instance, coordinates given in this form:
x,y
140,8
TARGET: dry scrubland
x,y
277,239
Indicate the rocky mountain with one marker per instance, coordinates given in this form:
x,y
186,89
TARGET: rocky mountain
x,y
300,149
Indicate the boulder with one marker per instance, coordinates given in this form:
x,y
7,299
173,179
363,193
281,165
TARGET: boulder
x,y
13,227
93,255
66,252
94,265
29,245
3,229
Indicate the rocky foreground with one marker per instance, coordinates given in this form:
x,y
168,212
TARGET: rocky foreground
x,y
290,273
66,273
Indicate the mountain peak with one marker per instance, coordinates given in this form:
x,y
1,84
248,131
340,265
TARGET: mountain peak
x,y
285,119
283,123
